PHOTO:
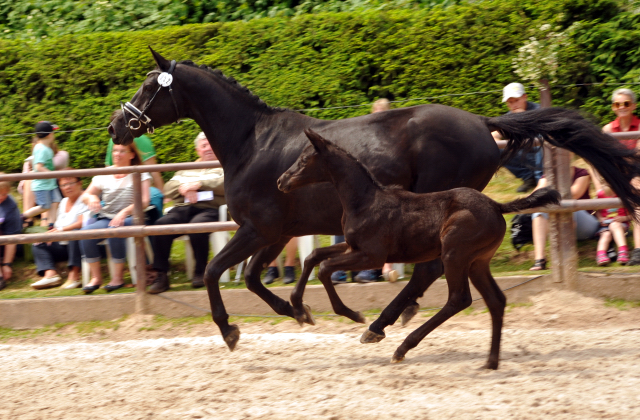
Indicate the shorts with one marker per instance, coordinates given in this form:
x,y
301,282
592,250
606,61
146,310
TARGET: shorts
x,y
44,198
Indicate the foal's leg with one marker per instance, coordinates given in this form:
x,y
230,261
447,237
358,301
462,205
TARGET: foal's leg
x,y
252,277
481,277
301,311
459,299
355,260
243,244
424,275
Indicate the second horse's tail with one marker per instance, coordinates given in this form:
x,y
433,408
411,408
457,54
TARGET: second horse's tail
x,y
569,130
538,198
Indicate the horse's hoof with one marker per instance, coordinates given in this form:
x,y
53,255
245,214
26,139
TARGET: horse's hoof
x,y
370,337
397,357
232,337
409,312
306,317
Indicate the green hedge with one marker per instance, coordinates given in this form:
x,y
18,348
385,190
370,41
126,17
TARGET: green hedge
x,y
307,61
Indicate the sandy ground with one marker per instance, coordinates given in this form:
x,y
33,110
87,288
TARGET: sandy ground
x,y
564,357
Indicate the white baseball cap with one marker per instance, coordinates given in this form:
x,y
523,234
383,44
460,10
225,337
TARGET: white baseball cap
x,y
512,90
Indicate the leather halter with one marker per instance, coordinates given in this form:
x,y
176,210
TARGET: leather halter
x,y
139,117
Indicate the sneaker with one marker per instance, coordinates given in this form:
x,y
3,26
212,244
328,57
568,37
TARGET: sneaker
x,y
527,185
160,284
197,281
635,257
47,282
391,276
289,275
71,284
338,277
272,275
367,276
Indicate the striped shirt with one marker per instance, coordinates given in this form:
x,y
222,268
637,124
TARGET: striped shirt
x,y
116,194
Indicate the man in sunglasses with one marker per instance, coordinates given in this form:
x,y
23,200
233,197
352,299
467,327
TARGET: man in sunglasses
x,y
623,103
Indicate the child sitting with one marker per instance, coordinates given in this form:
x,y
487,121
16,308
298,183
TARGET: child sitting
x,y
614,223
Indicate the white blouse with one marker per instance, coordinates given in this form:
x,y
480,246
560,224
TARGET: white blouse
x,y
117,193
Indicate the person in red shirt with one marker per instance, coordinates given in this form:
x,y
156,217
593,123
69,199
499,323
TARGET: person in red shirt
x,y
623,103
614,224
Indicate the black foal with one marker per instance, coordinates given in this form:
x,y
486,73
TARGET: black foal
x,y
385,224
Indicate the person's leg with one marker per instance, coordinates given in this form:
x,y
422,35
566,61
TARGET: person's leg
x,y
536,158
618,231
74,263
161,244
601,248
539,230
89,248
522,166
200,243
118,247
586,225
290,261
45,262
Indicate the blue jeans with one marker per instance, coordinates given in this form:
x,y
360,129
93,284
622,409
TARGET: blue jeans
x,y
46,256
586,224
118,246
526,165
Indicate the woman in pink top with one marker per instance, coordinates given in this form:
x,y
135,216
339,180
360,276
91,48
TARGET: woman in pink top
x,y
623,103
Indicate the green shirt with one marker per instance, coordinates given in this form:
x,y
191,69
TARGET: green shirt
x,y
143,144
43,154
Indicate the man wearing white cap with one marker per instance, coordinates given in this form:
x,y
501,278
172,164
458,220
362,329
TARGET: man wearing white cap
x,y
526,166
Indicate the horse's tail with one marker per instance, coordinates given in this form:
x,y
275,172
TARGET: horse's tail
x,y
569,130
538,198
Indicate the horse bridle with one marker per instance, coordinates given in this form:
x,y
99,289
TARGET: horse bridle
x,y
139,117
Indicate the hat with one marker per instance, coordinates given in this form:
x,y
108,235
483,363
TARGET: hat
x,y
44,128
512,90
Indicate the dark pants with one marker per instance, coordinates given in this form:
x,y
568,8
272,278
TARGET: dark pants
x,y
526,165
199,241
47,256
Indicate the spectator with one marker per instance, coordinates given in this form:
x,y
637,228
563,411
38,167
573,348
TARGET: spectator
x,y
147,152
387,271
10,224
613,223
197,193
623,103
45,190
110,197
586,225
289,274
60,160
47,254
524,165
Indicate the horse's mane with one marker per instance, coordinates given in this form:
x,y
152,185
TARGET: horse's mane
x,y
234,84
366,170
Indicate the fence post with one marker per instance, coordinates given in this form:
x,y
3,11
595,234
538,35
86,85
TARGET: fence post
x,y
562,237
141,257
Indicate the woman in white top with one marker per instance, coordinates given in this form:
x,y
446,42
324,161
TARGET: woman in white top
x,y
47,254
111,198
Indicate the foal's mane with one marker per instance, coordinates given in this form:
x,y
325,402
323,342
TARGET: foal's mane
x,y
366,170
234,84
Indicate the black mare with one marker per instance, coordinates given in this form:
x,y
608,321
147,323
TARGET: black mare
x,y
422,149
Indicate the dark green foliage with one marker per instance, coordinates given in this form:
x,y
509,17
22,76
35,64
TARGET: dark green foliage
x,y
309,61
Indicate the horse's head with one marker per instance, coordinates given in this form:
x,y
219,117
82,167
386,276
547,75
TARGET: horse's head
x,y
310,168
154,104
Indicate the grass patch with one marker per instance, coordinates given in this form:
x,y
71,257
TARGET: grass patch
x,y
621,304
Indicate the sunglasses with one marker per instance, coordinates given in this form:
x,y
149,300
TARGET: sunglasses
x,y
618,105
68,184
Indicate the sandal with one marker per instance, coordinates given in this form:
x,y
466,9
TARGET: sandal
x,y
602,259
538,265
623,256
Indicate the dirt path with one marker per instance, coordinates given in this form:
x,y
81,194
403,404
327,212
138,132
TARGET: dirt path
x,y
564,357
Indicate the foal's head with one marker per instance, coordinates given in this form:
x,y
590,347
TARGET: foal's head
x,y
310,167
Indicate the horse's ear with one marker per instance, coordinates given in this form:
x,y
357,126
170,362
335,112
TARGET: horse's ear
x,y
162,62
316,139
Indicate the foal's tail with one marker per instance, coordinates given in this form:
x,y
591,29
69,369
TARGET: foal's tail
x,y
538,198
569,130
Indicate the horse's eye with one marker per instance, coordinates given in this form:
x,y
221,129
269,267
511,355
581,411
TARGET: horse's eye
x,y
147,87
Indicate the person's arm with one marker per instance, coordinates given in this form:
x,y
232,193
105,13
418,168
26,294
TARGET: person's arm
x,y
128,211
7,260
580,186
91,197
172,187
41,168
158,182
